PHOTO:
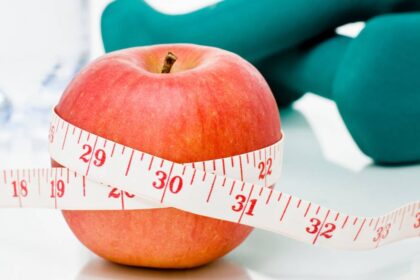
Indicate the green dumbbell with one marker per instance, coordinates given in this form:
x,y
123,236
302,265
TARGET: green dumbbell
x,y
252,29
374,80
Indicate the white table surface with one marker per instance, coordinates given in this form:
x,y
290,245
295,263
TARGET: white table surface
x,y
321,163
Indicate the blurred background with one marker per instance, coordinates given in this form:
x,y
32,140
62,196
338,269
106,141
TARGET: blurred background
x,y
43,44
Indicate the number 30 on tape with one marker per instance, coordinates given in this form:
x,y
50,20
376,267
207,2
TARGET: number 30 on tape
x,y
101,174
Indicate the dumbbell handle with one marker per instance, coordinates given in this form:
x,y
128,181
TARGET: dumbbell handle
x,y
309,68
252,29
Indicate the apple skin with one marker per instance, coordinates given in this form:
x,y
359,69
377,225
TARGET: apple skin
x,y
213,104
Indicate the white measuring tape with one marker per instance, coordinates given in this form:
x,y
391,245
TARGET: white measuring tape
x,y
102,174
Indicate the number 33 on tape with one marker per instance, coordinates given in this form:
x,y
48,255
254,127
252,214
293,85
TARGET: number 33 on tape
x,y
101,174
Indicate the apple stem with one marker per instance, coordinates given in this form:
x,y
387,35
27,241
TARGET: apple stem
x,y
168,62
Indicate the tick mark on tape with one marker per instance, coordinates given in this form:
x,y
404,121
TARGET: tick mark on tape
x,y
129,163
231,189
285,208
39,182
269,196
336,216
243,186
84,186
193,176
65,137
18,192
265,161
167,182
345,222
321,227
151,162
307,209
240,166
223,166
122,200
355,221
93,152
360,230
402,219
54,190
377,222
113,149
211,189
80,136
400,213
246,204
394,216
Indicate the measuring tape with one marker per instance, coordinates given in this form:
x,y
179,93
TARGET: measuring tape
x,y
101,174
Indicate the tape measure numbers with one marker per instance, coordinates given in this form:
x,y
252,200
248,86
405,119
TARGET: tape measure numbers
x,y
101,174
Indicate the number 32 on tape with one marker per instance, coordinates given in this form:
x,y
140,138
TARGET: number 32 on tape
x,y
101,174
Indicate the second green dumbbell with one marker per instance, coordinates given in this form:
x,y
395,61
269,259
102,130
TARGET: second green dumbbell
x,y
374,79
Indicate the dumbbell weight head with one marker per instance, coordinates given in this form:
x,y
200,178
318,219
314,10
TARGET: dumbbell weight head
x,y
377,88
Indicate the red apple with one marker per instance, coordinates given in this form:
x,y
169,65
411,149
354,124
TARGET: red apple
x,y
212,104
